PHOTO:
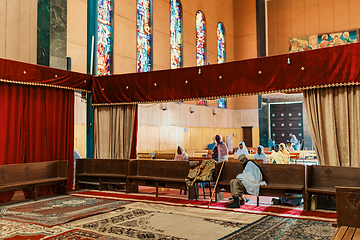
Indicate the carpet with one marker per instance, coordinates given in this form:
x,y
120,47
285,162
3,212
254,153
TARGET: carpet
x,y
137,223
78,234
250,207
270,227
19,230
58,210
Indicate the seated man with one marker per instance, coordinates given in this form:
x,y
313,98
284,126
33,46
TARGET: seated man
x,y
289,148
248,181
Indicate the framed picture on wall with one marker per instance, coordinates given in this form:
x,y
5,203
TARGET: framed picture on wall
x,y
222,103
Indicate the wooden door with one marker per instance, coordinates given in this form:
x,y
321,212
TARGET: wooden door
x,y
247,136
286,119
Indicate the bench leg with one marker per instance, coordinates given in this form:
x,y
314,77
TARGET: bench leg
x,y
157,188
35,193
99,184
257,200
62,188
210,189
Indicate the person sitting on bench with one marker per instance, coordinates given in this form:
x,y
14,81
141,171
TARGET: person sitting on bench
x,y
181,155
249,181
260,154
276,155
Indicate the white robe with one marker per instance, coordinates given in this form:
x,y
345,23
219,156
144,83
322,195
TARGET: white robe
x,y
251,178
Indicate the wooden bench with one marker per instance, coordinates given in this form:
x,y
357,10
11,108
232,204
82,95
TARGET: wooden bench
x,y
321,180
167,156
346,233
229,172
159,173
282,180
100,172
33,175
347,206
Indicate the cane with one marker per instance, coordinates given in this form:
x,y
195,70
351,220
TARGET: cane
x,y
212,195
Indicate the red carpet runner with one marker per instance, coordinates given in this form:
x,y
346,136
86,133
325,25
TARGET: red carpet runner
x,y
279,211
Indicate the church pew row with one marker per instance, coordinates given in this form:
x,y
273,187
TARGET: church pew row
x,y
282,180
159,173
101,172
33,175
322,180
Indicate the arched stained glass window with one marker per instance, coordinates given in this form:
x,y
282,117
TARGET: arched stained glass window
x,y
104,40
175,33
144,36
220,42
200,39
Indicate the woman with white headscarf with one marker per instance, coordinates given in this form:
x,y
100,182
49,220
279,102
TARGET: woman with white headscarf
x,y
295,142
181,155
242,150
249,181
229,143
260,154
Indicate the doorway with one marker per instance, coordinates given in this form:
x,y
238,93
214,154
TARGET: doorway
x,y
247,136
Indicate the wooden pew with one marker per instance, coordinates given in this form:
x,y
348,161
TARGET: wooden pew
x,y
144,156
321,180
346,233
230,171
101,172
347,206
167,156
282,180
33,175
159,173
200,159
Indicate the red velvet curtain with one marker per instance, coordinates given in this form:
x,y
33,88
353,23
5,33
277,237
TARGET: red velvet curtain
x,y
36,125
134,140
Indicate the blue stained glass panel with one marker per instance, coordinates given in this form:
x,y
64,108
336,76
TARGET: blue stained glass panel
x,y
175,33
221,42
200,39
104,41
144,36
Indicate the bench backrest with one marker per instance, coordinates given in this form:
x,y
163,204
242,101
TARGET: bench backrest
x,y
32,171
102,166
163,168
230,170
199,158
347,210
169,156
331,176
283,173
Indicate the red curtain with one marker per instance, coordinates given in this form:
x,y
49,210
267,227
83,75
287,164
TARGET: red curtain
x,y
134,139
320,67
36,125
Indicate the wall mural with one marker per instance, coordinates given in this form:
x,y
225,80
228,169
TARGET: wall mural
x,y
299,44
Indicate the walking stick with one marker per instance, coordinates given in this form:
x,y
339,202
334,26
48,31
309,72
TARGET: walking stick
x,y
212,195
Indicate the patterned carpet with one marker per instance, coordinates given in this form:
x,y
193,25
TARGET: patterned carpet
x,y
137,223
58,210
250,207
270,227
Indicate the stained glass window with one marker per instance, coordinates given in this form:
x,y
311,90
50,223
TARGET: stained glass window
x,y
175,33
220,42
200,39
144,37
104,41
222,102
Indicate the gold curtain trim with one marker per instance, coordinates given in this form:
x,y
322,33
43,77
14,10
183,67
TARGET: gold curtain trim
x,y
235,95
43,85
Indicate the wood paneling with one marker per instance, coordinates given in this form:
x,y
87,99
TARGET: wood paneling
x,y
297,18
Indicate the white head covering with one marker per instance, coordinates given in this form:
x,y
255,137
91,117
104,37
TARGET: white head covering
x,y
251,178
243,150
262,155
182,156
